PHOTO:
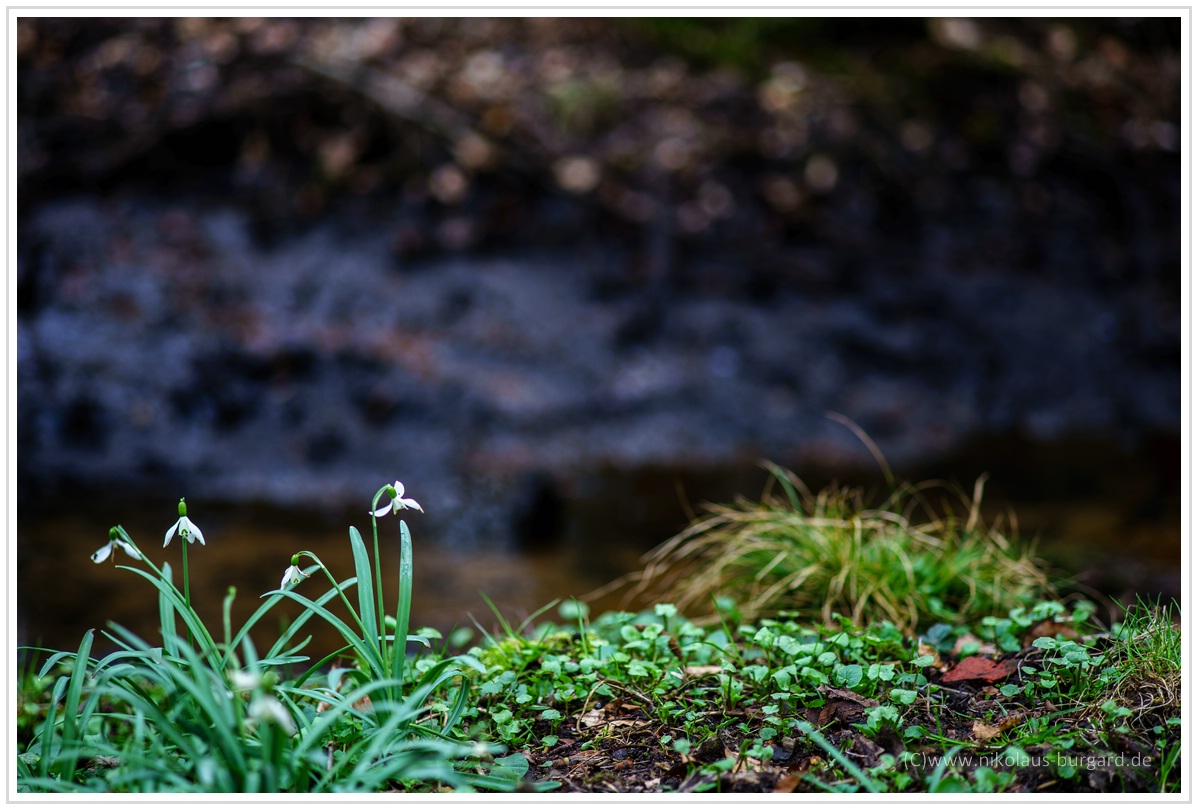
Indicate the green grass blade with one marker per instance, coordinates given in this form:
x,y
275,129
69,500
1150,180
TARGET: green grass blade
x,y
836,754
170,599
294,627
46,755
70,717
215,708
166,615
51,662
366,606
403,610
365,648
938,775
782,478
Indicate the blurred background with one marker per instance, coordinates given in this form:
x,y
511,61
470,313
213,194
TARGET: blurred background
x,y
568,279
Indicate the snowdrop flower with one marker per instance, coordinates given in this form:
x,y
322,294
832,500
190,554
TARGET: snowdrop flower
x,y
186,529
398,501
114,541
244,681
247,681
293,574
266,709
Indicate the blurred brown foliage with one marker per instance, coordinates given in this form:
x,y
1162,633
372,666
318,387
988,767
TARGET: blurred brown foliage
x,y
747,126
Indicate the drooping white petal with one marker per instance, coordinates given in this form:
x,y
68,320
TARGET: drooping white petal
x,y
194,530
265,708
102,553
409,503
381,512
128,549
171,532
293,575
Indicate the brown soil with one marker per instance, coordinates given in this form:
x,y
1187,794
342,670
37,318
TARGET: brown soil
x,y
617,746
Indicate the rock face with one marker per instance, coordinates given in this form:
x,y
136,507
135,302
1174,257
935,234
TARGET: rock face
x,y
677,267
166,348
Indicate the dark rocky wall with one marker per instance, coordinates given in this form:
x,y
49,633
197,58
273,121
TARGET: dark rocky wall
x,y
292,259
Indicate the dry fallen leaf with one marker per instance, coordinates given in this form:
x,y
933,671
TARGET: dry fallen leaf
x,y
846,694
788,783
985,733
1048,628
592,718
982,648
928,649
978,668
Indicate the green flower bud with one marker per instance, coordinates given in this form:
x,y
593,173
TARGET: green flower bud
x,y
182,508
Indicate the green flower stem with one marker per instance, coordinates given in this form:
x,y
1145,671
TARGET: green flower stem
x,y
187,587
378,575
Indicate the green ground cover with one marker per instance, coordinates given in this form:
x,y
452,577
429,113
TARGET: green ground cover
x,y
929,680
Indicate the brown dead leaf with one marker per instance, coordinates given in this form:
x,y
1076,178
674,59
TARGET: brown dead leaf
x,y
788,783
928,649
847,694
983,647
362,704
805,764
843,711
983,732
1049,628
699,672
844,705
592,718
978,668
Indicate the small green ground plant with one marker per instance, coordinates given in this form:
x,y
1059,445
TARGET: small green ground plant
x,y
1035,697
827,553
204,711
653,701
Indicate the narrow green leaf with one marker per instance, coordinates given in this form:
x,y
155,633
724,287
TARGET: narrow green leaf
x,y
294,627
175,600
166,615
46,758
70,718
404,609
836,754
364,647
369,613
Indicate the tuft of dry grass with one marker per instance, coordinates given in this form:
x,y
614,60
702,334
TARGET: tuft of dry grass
x,y
905,561
1147,666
